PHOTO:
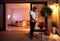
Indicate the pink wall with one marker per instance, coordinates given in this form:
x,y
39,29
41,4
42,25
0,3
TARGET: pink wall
x,y
19,12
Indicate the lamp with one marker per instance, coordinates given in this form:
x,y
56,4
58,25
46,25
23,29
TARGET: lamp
x,y
56,3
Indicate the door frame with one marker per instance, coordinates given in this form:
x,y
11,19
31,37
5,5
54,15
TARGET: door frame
x,y
4,21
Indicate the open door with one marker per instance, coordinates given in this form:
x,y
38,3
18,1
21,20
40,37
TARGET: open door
x,y
39,6
17,16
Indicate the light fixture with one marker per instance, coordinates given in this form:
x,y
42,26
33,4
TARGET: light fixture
x,y
9,16
55,5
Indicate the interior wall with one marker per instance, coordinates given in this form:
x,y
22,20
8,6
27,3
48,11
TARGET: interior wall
x,y
39,7
18,12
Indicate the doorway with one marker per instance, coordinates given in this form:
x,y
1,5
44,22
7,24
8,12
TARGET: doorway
x,y
39,18
17,16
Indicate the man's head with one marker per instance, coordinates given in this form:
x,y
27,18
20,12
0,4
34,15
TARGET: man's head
x,y
34,8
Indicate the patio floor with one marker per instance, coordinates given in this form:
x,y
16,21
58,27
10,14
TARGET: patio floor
x,y
24,36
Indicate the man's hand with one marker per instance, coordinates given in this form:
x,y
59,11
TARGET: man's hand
x,y
34,20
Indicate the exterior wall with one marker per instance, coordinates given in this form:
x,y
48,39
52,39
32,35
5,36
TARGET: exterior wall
x,y
1,16
22,0
49,3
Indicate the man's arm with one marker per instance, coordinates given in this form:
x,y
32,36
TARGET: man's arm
x,y
32,18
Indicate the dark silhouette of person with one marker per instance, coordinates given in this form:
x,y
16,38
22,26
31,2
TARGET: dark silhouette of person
x,y
32,21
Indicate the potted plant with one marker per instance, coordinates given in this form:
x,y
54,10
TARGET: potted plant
x,y
45,12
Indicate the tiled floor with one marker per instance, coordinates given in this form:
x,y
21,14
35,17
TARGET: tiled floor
x,y
24,36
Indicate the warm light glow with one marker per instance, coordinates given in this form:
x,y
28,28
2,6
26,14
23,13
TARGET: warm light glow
x,y
55,11
26,29
9,16
24,23
52,6
53,36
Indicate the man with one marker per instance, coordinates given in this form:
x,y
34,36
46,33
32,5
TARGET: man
x,y
32,21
